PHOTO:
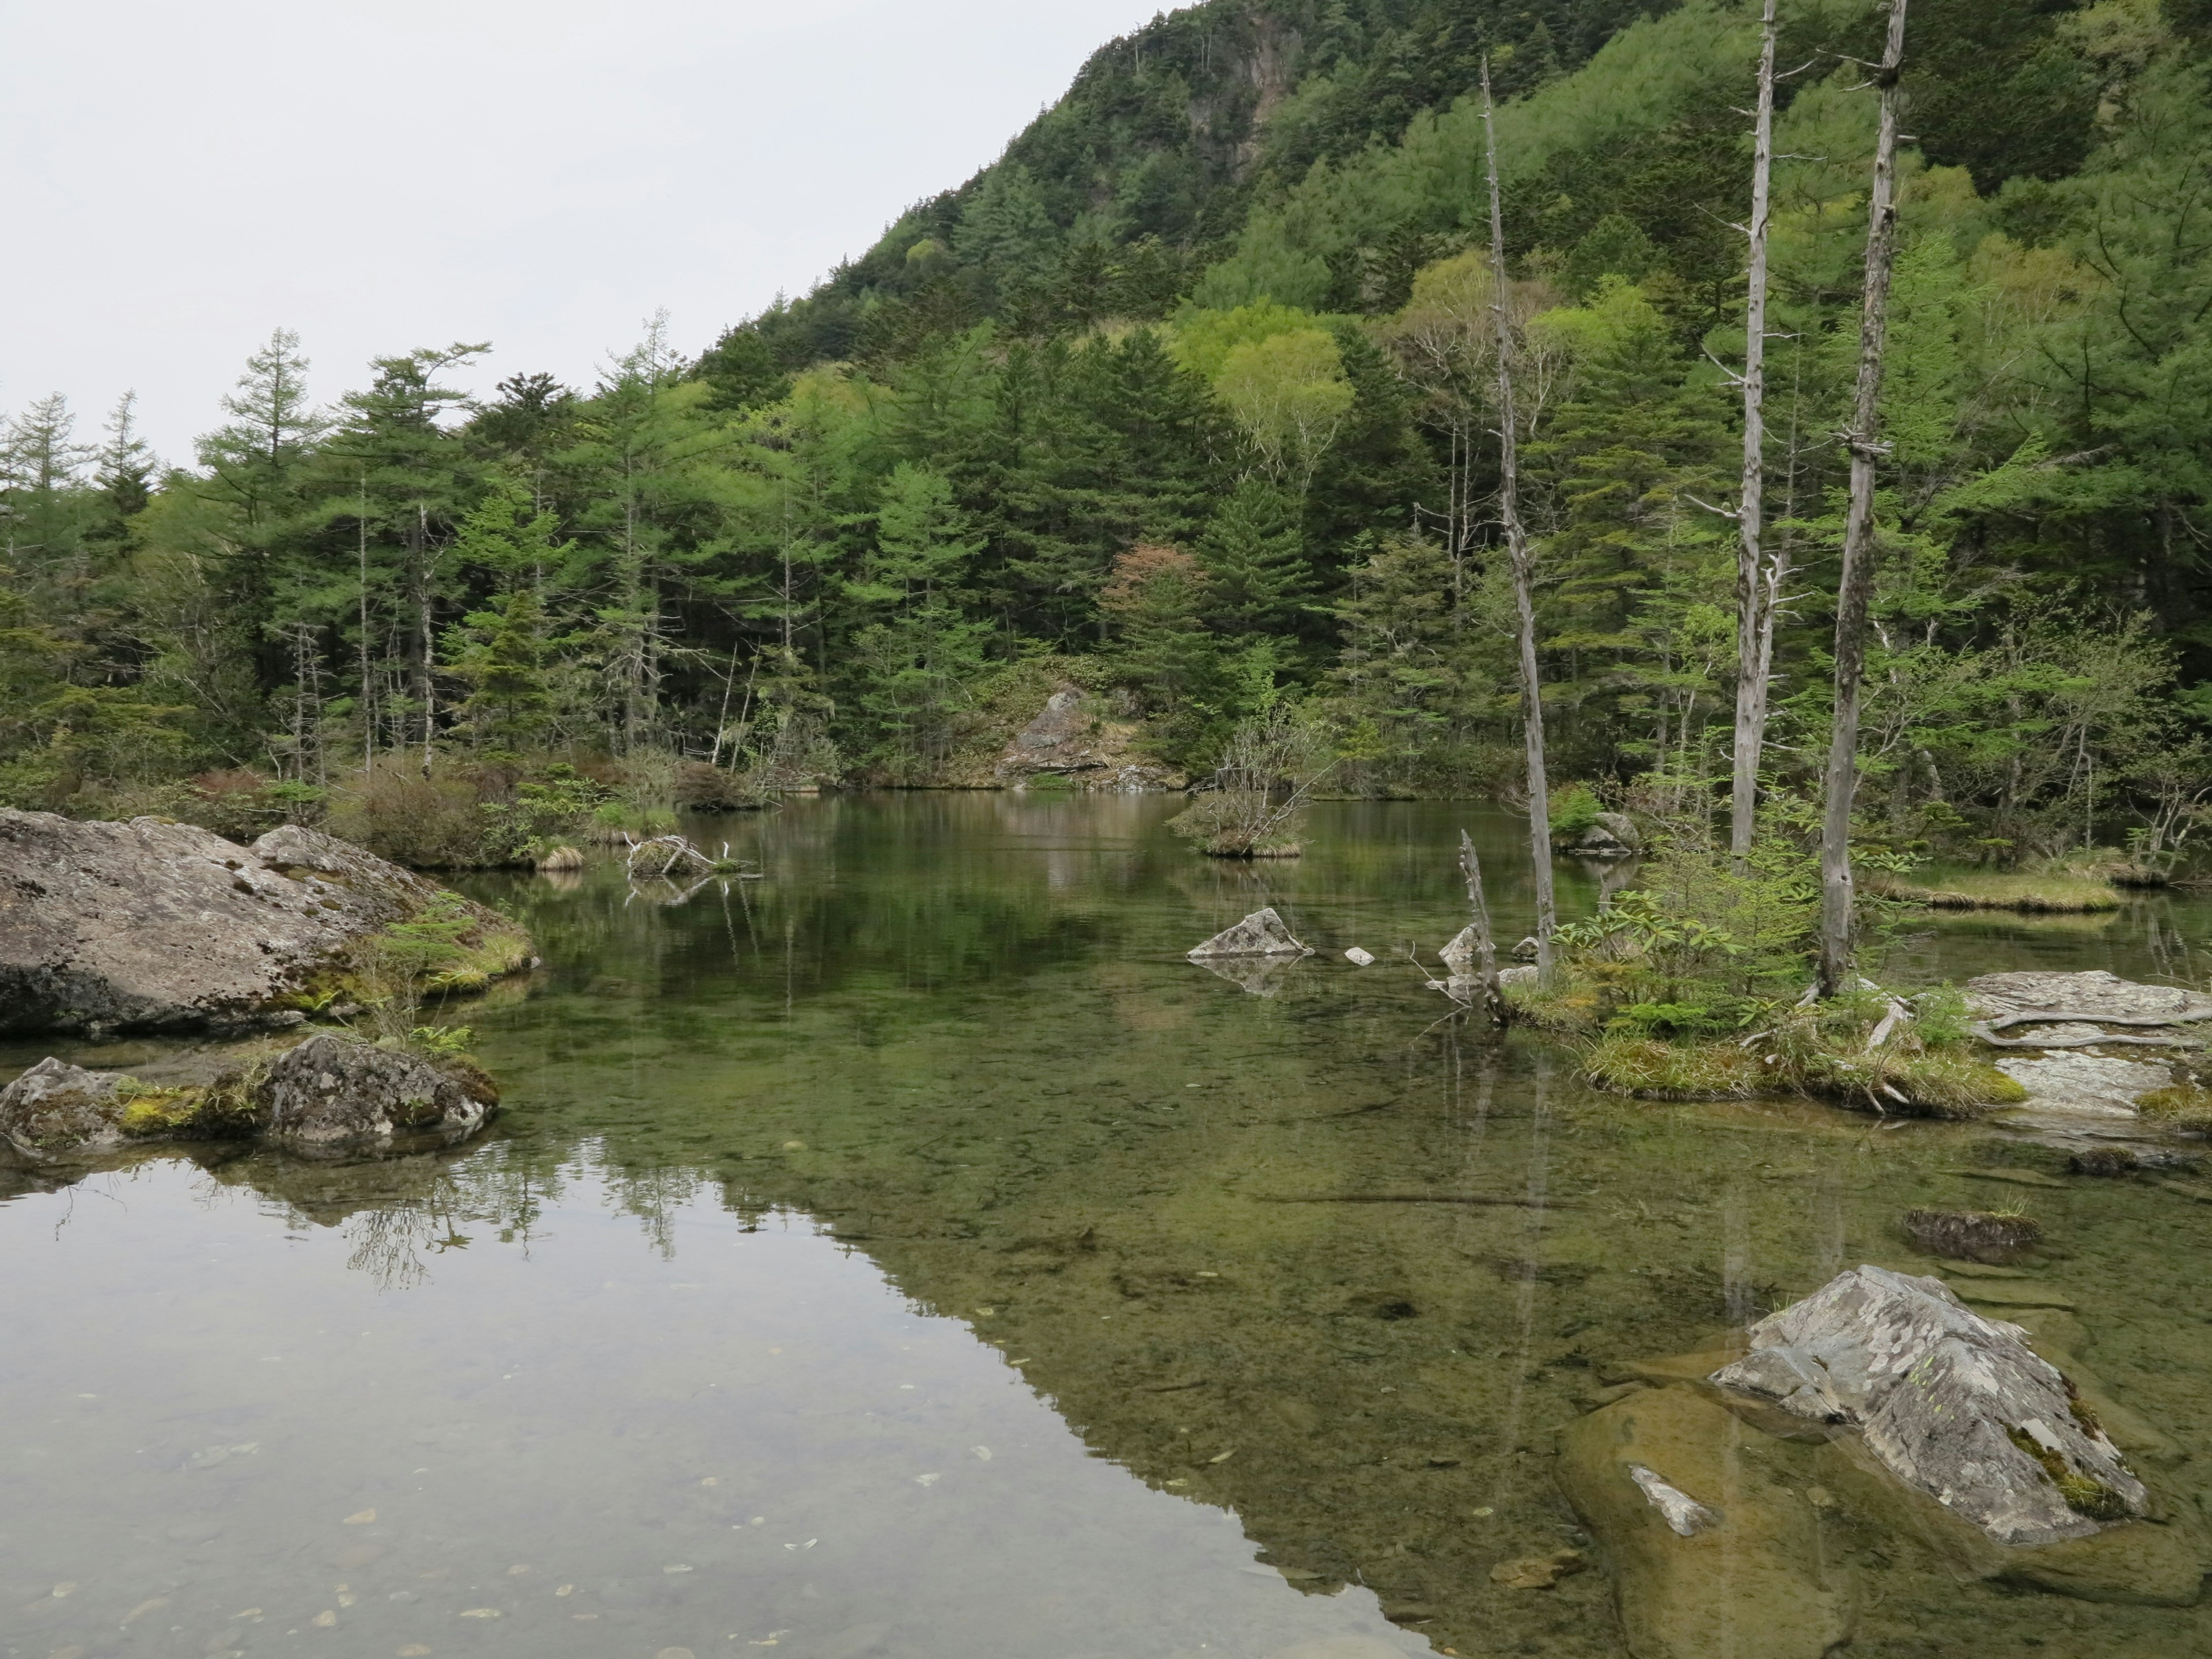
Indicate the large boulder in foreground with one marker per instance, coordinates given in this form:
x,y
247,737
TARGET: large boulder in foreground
x,y
329,1094
154,926
1954,1405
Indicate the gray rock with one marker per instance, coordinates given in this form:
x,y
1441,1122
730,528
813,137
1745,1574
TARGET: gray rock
x,y
1262,933
1948,1402
153,925
56,1109
2084,1083
2094,995
334,1092
1610,836
1460,953
1358,957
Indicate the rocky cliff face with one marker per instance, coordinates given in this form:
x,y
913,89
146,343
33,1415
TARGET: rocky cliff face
x,y
153,925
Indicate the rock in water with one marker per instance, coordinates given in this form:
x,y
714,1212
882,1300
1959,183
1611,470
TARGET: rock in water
x,y
1973,1235
2090,996
153,925
331,1092
56,1108
1262,933
1745,1571
1359,958
1955,1405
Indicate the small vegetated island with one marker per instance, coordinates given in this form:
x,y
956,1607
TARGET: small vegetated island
x,y
1764,445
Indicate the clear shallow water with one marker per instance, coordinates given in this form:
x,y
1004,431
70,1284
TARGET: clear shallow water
x,y
931,1142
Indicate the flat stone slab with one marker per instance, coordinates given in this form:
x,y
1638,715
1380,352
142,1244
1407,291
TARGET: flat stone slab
x,y
2084,1080
2093,996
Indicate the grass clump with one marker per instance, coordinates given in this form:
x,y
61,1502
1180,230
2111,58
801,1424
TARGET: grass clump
x,y
2084,1494
2186,1106
1652,1069
223,1111
2051,891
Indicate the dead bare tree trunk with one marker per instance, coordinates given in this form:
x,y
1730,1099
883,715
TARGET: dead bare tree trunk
x,y
1855,592
1754,594
1486,948
1516,544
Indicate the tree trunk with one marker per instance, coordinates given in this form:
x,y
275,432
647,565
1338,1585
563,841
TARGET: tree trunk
x,y
1486,947
1755,626
1856,590
1517,543
429,637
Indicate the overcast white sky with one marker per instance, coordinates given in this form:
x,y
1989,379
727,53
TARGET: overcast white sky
x,y
182,179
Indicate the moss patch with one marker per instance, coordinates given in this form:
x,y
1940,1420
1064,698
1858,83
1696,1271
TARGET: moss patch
x,y
222,1111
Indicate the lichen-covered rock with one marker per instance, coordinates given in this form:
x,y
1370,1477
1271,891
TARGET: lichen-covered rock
x,y
1713,1547
153,925
1262,933
2094,995
334,1092
56,1109
1955,1405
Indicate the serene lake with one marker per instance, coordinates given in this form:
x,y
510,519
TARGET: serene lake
x,y
910,1254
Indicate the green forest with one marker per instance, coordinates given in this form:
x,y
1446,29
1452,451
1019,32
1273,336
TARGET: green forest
x,y
1189,401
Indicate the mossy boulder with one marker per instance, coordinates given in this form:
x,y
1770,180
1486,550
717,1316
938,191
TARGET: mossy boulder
x,y
59,1111
161,926
331,1093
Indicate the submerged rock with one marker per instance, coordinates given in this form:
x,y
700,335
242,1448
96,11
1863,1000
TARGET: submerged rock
x,y
1262,933
1954,1405
332,1091
1713,1547
154,926
1973,1235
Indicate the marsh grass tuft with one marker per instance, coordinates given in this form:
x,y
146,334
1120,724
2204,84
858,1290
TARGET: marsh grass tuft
x,y
2032,892
2185,1106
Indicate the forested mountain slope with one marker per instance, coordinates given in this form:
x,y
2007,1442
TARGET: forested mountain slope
x,y
1186,400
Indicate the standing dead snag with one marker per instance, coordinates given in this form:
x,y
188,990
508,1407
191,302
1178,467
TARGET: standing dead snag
x,y
1855,593
1486,948
1758,584
1517,545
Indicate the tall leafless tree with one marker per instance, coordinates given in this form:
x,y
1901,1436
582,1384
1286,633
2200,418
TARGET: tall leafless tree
x,y
1757,580
1855,592
1517,545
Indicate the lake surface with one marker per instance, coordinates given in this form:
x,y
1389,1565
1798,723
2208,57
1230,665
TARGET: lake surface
x,y
910,1254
